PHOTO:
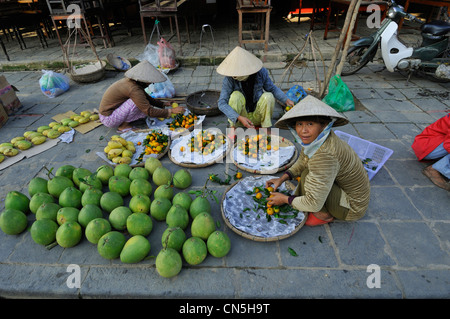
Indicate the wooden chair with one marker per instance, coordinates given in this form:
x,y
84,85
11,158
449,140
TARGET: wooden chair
x,y
89,9
337,6
163,9
262,9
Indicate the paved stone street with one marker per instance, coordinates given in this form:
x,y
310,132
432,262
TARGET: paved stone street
x,y
405,231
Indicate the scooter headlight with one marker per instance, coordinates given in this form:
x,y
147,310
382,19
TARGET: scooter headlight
x,y
391,13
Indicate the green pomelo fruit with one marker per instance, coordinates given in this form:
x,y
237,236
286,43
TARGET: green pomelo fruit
x,y
182,199
69,234
47,211
202,226
119,184
66,214
159,208
218,244
110,200
139,224
90,181
38,199
140,186
65,170
177,216
139,172
173,237
96,228
151,164
43,231
118,217
13,221
136,248
88,213
70,197
194,250
78,173
110,244
17,200
104,173
168,263
199,205
37,185
140,204
162,176
57,184
122,170
91,196
182,179
164,191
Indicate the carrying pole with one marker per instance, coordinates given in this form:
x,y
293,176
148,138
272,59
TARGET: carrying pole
x,y
342,37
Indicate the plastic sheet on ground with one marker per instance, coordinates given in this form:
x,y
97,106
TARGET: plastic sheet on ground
x,y
197,158
254,222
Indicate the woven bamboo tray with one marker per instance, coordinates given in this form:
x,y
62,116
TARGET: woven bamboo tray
x,y
253,236
91,72
204,102
194,165
283,143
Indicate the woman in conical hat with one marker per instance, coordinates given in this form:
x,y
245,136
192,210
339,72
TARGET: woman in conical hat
x,y
248,94
333,182
126,101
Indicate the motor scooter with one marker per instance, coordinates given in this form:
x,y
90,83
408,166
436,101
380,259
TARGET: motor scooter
x,y
431,58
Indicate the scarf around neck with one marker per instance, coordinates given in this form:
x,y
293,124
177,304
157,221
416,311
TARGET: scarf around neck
x,y
311,148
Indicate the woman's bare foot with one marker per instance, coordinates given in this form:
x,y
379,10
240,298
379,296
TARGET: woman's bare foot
x,y
124,126
323,216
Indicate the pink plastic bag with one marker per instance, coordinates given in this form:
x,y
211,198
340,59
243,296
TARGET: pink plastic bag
x,y
166,54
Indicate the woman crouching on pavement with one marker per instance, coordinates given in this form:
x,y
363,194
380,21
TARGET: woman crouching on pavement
x,y
126,101
333,182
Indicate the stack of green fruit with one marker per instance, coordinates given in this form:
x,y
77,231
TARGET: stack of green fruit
x,y
75,203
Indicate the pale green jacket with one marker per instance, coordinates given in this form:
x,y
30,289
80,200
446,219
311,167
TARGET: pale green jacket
x,y
334,162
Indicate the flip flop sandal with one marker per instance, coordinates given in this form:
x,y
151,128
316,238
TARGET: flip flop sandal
x,y
314,221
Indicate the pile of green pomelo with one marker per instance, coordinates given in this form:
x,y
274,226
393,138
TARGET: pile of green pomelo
x,y
73,203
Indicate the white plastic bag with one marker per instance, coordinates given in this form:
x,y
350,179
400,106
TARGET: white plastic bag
x,y
150,54
53,84
161,90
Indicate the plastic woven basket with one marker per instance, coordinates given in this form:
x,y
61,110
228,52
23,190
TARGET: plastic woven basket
x,y
372,155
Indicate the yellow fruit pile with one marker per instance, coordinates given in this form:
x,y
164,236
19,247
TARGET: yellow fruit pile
x,y
204,142
52,130
74,120
251,145
155,143
119,150
182,121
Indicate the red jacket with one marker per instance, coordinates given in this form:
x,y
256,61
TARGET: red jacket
x,y
432,136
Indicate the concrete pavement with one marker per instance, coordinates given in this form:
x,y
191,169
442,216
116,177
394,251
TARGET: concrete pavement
x,y
400,249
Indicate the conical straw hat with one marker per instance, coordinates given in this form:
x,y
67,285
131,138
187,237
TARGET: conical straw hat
x,y
310,106
145,72
239,62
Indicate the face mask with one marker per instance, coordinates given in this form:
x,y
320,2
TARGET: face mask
x,y
240,78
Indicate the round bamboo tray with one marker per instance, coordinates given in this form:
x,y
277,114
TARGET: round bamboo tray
x,y
284,142
194,165
204,102
91,72
256,237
